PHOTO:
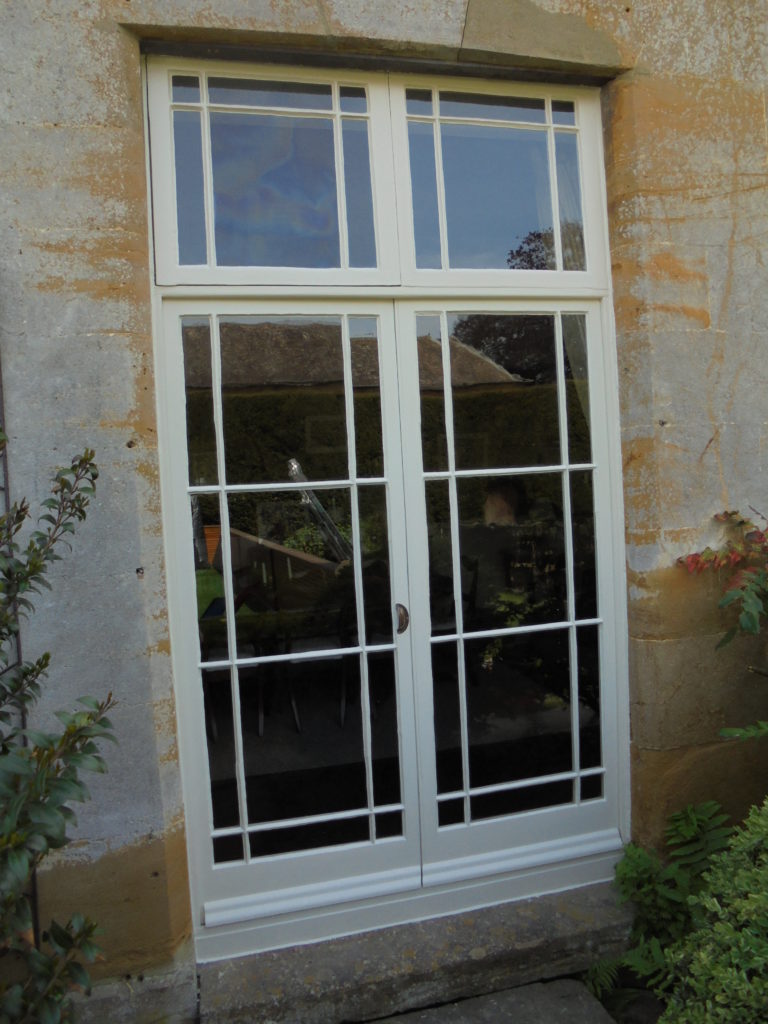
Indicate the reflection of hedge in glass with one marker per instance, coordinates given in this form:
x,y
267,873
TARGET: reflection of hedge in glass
x,y
511,412
263,429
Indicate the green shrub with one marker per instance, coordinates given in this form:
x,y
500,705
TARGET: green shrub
x,y
718,973
40,771
660,890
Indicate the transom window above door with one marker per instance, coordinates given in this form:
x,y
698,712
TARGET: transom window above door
x,y
279,177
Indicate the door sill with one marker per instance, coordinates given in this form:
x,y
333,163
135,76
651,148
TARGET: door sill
x,y
341,910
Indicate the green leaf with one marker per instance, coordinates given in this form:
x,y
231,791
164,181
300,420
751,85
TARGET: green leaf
x,y
89,950
61,936
18,863
68,789
11,1001
46,816
89,702
88,762
41,739
79,976
49,1012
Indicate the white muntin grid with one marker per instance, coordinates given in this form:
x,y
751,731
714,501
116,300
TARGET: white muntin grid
x,y
234,661
334,114
548,127
451,476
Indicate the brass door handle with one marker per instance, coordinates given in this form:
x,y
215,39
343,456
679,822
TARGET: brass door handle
x,y
403,618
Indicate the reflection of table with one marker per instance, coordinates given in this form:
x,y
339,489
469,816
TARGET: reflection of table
x,y
265,633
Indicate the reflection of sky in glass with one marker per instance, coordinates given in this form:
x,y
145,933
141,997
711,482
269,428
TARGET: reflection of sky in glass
x,y
426,222
190,203
563,112
274,183
418,101
569,198
496,191
357,185
186,89
352,100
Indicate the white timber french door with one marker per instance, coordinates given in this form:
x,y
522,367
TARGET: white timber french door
x,y
393,520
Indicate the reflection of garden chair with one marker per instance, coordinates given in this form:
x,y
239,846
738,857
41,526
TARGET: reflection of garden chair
x,y
296,600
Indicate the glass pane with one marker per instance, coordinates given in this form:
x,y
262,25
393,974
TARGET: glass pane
x,y
515,801
227,848
497,197
252,93
430,352
357,184
589,696
518,707
374,538
209,582
577,387
274,185
563,112
491,108
185,88
363,335
569,198
352,100
389,825
426,220
190,200
450,812
309,837
300,757
592,787
292,576
384,741
220,733
418,101
504,390
445,689
283,398
512,551
441,597
584,573
201,434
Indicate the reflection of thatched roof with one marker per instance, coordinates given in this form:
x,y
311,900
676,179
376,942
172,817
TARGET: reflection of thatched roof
x,y
468,367
274,355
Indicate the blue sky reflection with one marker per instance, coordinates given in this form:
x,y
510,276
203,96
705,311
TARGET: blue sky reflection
x,y
274,182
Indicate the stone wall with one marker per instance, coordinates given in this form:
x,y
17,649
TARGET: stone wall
x,y
687,174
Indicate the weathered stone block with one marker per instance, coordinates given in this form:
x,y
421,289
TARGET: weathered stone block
x,y
522,32
138,894
683,692
664,781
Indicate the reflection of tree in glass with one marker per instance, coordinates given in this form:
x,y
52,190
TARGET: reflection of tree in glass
x,y
524,346
537,249
535,252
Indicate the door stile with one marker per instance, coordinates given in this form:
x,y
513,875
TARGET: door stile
x,y
403,578
418,549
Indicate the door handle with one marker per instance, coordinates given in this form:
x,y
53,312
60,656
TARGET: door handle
x,y
403,618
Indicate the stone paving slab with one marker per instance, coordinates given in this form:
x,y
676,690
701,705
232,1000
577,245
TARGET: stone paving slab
x,y
425,963
554,1002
